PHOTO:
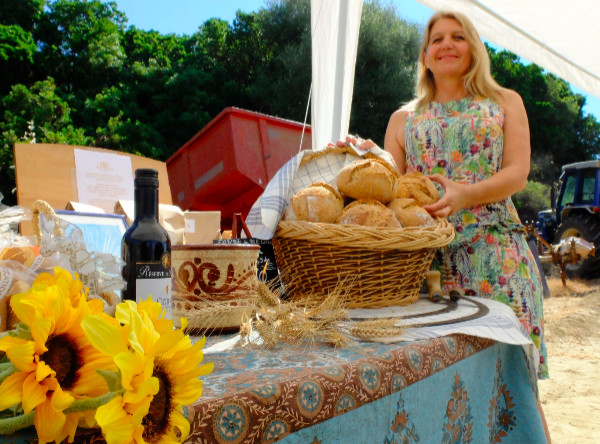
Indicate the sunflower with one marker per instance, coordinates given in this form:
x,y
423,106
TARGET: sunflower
x,y
54,363
159,367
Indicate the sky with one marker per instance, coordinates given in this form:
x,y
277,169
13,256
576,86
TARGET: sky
x,y
186,16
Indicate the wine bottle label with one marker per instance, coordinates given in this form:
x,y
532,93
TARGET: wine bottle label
x,y
154,279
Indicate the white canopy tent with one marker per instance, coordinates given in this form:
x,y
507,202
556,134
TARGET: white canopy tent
x,y
335,27
560,36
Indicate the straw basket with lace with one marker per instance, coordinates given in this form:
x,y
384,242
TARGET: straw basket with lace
x,y
374,267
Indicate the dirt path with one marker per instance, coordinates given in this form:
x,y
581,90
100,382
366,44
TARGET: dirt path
x,y
571,397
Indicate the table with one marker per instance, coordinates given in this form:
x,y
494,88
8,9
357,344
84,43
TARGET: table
x,y
456,388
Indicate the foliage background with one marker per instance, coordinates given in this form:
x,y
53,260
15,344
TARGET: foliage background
x,y
74,72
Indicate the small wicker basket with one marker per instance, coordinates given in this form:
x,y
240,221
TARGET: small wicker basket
x,y
374,267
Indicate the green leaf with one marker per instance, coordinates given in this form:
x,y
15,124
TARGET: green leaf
x,y
6,369
82,405
113,379
12,424
24,332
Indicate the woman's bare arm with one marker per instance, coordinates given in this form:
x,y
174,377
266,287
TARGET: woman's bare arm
x,y
394,139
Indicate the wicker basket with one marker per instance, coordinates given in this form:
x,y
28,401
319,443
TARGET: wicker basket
x,y
375,267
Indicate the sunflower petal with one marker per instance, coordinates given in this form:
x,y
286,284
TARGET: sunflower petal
x,y
187,358
34,393
142,335
194,372
123,311
61,400
169,340
90,383
138,434
24,309
179,421
43,370
96,306
40,330
48,422
189,392
139,411
103,335
69,428
130,364
184,322
11,390
148,388
22,356
88,420
7,342
115,423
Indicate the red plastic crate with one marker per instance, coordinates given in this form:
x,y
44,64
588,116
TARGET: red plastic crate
x,y
227,165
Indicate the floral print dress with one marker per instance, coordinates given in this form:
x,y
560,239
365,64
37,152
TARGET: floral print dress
x,y
489,257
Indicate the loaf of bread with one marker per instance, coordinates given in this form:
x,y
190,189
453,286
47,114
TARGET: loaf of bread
x,y
410,214
417,186
369,213
368,179
319,202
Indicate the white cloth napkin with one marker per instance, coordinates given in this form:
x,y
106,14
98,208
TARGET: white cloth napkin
x,y
292,177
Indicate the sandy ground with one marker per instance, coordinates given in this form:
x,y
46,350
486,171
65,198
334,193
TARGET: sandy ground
x,y
571,397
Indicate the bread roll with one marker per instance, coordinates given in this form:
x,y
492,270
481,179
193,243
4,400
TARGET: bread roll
x,y
288,213
369,213
417,186
410,214
368,179
319,202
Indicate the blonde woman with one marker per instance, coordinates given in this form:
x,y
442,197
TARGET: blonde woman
x,y
471,136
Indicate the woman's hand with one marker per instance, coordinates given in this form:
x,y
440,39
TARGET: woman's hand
x,y
454,199
357,142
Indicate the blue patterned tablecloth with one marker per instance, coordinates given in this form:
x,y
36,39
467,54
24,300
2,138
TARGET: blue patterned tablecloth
x,y
452,389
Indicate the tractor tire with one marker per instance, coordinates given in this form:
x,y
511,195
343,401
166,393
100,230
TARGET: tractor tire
x,y
587,227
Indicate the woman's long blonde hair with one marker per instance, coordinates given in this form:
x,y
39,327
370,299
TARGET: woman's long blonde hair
x,y
478,79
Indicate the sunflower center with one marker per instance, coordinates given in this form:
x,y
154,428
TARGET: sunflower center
x,y
157,421
63,357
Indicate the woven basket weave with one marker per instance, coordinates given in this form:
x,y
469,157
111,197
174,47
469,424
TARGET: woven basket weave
x,y
374,267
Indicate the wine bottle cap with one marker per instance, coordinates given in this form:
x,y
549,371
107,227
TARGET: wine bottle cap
x,y
146,177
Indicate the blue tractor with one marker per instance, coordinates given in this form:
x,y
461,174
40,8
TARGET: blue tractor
x,y
576,213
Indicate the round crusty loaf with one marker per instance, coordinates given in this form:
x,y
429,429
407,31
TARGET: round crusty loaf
x,y
368,179
410,214
319,202
417,186
369,213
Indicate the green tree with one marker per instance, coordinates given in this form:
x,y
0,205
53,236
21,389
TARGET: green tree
x,y
282,82
17,50
35,114
22,13
533,199
386,66
80,45
560,133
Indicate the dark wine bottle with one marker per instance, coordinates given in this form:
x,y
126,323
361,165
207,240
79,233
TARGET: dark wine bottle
x,y
146,247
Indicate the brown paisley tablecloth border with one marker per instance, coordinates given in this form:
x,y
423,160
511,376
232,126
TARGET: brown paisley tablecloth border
x,y
391,372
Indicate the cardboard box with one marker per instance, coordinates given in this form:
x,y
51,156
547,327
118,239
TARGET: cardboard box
x,y
170,217
202,227
83,208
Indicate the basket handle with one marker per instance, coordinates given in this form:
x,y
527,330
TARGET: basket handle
x,y
43,207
